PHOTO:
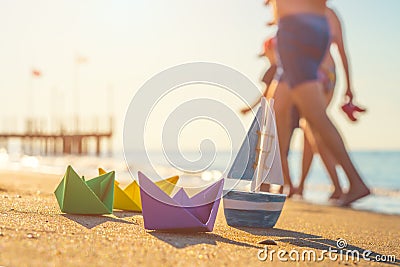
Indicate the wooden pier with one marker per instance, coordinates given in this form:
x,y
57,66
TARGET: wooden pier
x,y
60,142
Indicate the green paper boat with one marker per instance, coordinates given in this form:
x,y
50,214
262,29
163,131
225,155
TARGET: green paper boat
x,y
77,196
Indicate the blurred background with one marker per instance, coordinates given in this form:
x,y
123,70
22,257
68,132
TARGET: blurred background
x,y
70,68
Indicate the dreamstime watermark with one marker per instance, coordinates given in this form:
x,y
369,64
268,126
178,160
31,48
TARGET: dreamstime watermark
x,y
332,254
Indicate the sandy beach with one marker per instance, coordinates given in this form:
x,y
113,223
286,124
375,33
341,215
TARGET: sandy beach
x,y
33,232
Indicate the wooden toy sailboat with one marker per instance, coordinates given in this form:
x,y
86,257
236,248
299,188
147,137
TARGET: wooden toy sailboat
x,y
258,161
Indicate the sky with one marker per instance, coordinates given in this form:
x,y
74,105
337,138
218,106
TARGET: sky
x,y
127,42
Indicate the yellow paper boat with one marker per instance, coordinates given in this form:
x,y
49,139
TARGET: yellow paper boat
x,y
129,198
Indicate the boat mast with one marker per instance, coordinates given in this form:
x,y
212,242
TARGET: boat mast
x,y
262,147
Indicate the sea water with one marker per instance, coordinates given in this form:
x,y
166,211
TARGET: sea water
x,y
379,169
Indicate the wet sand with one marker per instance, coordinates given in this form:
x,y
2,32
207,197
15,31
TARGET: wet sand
x,y
33,232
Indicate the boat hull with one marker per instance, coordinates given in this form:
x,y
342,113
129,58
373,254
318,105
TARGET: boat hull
x,y
249,209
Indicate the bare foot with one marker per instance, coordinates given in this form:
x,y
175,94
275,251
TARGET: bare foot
x,y
286,189
289,190
298,191
337,194
353,195
281,190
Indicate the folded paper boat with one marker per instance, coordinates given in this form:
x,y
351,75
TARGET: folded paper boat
x,y
180,212
129,198
77,196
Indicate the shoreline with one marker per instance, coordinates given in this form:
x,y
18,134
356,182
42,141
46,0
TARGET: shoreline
x,y
31,222
315,194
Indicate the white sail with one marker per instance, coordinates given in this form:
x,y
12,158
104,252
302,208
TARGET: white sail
x,y
256,182
269,169
246,160
274,175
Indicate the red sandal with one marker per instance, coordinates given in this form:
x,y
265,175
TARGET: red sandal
x,y
350,109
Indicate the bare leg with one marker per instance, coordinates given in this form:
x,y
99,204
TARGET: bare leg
x,y
330,165
329,161
310,100
283,106
313,144
308,155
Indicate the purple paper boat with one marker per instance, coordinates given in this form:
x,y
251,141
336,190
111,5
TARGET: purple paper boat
x,y
180,212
